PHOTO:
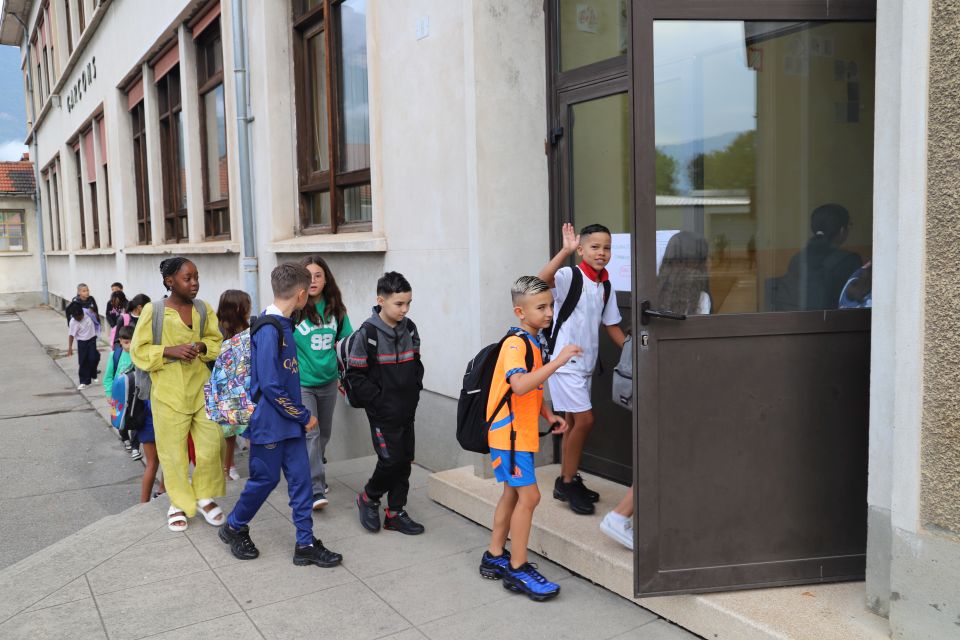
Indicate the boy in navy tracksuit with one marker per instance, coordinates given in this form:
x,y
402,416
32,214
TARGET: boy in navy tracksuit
x,y
387,379
278,426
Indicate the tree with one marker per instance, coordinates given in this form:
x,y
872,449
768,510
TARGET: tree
x,y
666,174
733,167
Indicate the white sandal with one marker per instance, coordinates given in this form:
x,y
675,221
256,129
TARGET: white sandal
x,y
176,519
214,517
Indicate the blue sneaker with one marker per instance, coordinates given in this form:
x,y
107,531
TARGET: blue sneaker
x,y
526,579
493,567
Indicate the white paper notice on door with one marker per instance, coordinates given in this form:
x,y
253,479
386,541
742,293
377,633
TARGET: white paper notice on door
x,y
620,265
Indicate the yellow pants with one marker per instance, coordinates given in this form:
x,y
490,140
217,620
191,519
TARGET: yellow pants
x,y
171,428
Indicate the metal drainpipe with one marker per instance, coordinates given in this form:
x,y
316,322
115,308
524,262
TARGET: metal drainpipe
x,y
250,265
35,157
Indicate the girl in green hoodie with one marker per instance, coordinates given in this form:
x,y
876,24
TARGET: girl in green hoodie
x,y
322,324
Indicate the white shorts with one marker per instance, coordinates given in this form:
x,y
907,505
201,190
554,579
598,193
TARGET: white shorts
x,y
570,392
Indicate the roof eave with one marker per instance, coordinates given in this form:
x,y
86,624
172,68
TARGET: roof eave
x,y
11,31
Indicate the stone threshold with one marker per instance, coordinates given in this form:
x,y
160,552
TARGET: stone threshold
x,y
834,611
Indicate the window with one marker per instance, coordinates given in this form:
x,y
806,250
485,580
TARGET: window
x,y
80,16
172,157
50,184
90,167
214,131
140,171
332,115
83,224
66,13
102,133
12,231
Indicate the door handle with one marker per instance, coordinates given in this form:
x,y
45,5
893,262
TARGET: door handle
x,y
646,313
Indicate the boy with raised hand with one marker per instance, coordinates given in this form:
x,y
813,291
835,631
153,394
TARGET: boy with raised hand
x,y
519,420
386,375
571,386
278,426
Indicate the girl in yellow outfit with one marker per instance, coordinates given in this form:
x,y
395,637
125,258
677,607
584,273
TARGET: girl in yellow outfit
x,y
178,371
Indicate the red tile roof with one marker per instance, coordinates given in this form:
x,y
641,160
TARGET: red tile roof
x,y
16,178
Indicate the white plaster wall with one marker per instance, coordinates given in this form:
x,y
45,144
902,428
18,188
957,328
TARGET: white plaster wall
x,y
20,272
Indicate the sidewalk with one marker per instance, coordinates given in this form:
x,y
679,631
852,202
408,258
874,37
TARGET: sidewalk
x,y
126,576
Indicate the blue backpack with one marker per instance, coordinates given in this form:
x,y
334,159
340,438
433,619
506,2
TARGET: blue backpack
x,y
121,394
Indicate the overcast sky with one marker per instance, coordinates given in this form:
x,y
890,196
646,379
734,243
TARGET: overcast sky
x,y
13,127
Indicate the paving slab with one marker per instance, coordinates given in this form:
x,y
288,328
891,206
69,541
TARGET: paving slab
x,y
255,583
77,620
236,626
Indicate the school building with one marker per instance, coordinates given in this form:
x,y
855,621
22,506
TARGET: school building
x,y
775,440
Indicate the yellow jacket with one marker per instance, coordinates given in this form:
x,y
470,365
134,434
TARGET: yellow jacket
x,y
176,383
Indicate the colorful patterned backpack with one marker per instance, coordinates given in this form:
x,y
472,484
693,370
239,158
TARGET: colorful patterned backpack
x,y
227,397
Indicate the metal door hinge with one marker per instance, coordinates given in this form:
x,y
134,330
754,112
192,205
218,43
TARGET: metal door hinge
x,y
555,134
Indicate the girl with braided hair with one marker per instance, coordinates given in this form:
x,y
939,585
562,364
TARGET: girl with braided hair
x,y
177,363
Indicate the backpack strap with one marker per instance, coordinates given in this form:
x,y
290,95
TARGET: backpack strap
x,y
258,323
607,289
117,352
370,333
570,303
201,308
157,322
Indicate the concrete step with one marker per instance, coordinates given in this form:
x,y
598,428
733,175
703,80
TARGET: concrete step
x,y
811,612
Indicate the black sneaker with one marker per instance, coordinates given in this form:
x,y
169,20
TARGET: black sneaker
x,y
369,513
592,496
401,521
241,546
573,494
316,554
493,567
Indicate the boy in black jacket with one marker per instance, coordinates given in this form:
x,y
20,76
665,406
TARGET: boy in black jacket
x,y
278,426
386,378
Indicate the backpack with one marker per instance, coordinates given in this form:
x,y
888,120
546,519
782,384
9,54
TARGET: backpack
x,y
226,395
368,333
473,425
569,304
623,377
793,292
143,382
116,328
121,395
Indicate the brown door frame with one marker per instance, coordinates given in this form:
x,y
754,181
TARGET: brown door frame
x,y
648,580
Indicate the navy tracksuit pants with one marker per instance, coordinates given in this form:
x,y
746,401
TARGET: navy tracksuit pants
x,y
89,359
266,462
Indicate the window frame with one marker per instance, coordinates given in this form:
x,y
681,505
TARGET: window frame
x,y
140,173
23,230
211,37
308,22
170,157
83,222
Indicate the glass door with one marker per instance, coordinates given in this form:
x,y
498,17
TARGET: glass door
x,y
753,217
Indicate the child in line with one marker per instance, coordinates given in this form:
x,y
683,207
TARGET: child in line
x,y
233,312
533,306
278,426
323,324
178,370
118,363
132,315
116,308
571,386
84,330
86,301
388,384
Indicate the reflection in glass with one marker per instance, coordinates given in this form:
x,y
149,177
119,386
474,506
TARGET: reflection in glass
x,y
358,204
216,137
600,149
592,31
317,74
354,101
758,124
682,281
318,208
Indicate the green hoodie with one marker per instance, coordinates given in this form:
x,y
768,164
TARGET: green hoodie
x,y
122,365
316,348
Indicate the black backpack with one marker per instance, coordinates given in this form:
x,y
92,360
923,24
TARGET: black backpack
x,y
569,304
472,423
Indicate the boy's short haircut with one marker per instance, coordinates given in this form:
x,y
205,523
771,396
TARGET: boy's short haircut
x,y
117,284
81,286
391,283
287,278
125,333
527,286
594,228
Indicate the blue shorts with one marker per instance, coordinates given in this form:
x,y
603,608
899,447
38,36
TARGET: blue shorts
x,y
146,434
524,472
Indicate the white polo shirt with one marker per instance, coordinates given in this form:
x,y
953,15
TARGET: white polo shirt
x,y
582,328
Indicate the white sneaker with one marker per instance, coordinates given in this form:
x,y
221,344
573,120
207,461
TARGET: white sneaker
x,y
319,501
127,445
619,529
136,454
81,386
233,474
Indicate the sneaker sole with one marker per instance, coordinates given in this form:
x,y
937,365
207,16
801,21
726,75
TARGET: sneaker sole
x,y
537,597
408,533
490,574
303,562
318,506
234,553
614,535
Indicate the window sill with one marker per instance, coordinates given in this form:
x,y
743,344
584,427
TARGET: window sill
x,y
59,252
93,252
331,243
184,248
15,254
